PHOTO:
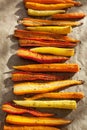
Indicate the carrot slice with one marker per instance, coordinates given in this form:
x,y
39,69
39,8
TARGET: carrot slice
x,y
26,76
15,110
42,35
49,68
29,128
33,42
54,2
58,95
45,13
27,54
31,87
35,121
38,6
40,22
74,15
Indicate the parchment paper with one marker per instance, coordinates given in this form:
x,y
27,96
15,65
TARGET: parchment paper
x,y
10,12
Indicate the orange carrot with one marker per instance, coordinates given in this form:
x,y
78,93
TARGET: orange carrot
x,y
45,42
38,6
35,121
42,35
74,15
28,76
40,22
27,54
58,95
29,128
54,1
49,68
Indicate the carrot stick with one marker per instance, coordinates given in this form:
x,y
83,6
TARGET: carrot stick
x,y
31,87
45,43
54,29
54,51
40,22
54,2
45,13
26,76
15,110
35,121
74,15
42,35
29,128
49,68
27,54
58,95
38,6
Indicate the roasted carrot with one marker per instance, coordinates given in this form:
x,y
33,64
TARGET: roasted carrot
x,y
54,2
54,51
27,54
38,6
15,110
54,29
40,22
74,15
58,95
36,35
37,42
26,76
63,104
35,121
31,87
29,128
41,13
49,67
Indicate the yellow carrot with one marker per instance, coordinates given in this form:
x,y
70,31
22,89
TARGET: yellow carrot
x,y
31,87
35,121
63,104
58,95
32,12
54,51
53,29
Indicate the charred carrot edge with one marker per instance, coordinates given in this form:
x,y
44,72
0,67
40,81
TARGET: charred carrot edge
x,y
42,35
38,6
45,42
49,67
74,15
40,22
32,121
27,54
15,110
54,2
26,76
58,95
29,128
32,87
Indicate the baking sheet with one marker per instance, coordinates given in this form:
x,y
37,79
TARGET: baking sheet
x,y
10,12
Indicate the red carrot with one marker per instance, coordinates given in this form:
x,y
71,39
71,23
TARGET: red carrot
x,y
45,42
15,110
29,76
27,54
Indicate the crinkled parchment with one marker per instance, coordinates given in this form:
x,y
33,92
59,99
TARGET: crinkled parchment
x,y
10,12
